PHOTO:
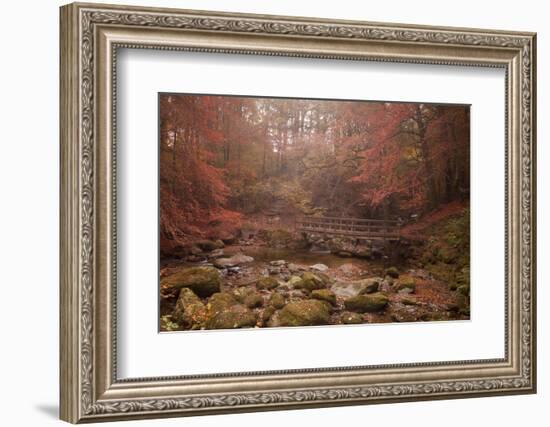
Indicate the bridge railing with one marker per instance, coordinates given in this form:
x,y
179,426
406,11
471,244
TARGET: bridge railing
x,y
352,227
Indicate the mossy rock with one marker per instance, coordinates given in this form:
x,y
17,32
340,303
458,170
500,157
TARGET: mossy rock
x,y
254,301
295,282
392,272
304,313
405,284
369,286
189,311
267,282
368,303
311,281
350,318
278,237
220,301
267,313
223,311
241,293
324,295
276,300
408,301
207,245
203,281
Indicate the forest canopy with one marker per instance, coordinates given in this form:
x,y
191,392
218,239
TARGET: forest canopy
x,y
225,160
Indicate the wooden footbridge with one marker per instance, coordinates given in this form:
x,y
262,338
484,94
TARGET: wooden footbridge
x,y
362,229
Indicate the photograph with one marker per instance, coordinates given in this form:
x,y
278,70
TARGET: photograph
x,y
281,212
308,209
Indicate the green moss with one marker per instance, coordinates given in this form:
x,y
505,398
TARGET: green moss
x,y
405,282
267,313
447,254
351,318
295,282
408,301
241,293
324,295
304,313
267,282
311,281
369,286
203,281
223,311
276,300
367,303
189,311
254,301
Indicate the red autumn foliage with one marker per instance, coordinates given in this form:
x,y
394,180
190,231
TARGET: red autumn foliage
x,y
227,158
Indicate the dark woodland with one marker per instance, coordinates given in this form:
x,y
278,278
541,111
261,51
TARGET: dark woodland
x,y
293,212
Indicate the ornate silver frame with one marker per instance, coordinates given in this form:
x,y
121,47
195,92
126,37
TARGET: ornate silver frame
x,y
90,36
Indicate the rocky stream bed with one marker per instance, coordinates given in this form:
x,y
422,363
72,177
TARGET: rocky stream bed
x,y
247,285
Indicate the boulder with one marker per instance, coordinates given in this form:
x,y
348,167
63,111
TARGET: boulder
x,y
278,263
319,267
207,245
370,286
274,270
234,261
293,268
324,295
254,301
349,318
348,289
267,313
267,282
241,293
276,300
311,281
408,301
203,281
369,303
405,285
294,282
223,311
189,311
304,313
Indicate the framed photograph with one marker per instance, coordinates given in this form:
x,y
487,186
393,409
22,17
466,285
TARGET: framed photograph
x,y
266,212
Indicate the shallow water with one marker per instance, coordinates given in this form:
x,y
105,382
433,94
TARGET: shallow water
x,y
305,257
